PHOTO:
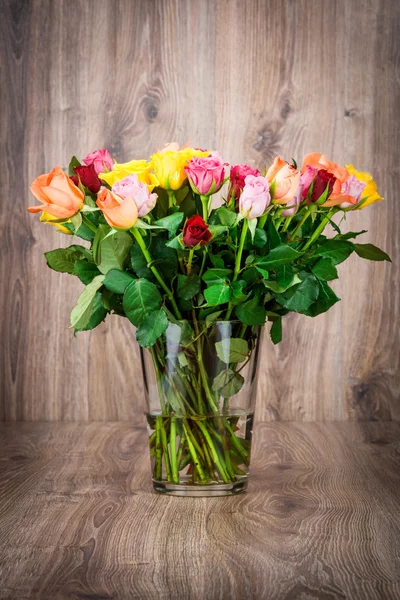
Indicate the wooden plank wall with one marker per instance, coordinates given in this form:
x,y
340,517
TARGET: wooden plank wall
x,y
252,79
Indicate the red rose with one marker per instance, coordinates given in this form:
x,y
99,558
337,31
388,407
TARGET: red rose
x,y
321,181
88,177
196,232
236,183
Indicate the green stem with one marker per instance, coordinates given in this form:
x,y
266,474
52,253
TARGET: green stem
x,y
205,202
172,449
261,222
171,198
301,223
89,223
238,262
203,261
288,221
154,270
214,453
189,263
193,453
165,449
158,379
158,466
319,229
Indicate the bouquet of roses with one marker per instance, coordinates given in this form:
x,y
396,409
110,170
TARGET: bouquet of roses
x,y
178,264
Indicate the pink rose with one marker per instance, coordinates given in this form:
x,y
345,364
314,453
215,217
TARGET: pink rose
x,y
132,187
206,173
255,197
352,187
237,176
101,160
294,203
307,178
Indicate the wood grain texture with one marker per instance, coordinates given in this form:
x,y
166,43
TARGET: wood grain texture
x,y
254,79
79,519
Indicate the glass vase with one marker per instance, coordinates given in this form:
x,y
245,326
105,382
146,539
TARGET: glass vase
x,y
200,386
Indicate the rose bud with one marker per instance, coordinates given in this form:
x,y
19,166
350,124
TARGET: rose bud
x,y
287,180
323,173
59,196
88,177
236,184
131,186
120,213
195,232
206,174
100,159
255,197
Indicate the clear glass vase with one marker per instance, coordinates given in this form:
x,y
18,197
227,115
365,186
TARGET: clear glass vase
x,y
200,385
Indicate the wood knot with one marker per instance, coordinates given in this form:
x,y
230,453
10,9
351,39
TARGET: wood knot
x,y
151,110
268,142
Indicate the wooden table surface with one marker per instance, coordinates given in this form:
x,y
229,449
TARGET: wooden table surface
x,y
79,519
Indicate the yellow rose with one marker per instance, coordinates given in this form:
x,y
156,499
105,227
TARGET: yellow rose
x,y
370,191
169,166
48,221
141,168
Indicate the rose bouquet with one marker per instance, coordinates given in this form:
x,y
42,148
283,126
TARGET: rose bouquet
x,y
198,277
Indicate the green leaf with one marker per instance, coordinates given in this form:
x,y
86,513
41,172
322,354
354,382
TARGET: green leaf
x,y
153,325
176,243
188,286
98,313
171,222
114,251
349,235
83,232
82,311
63,259
76,220
218,293
326,299
251,312
371,252
263,272
109,299
117,281
217,230
260,238
74,162
232,350
325,269
212,276
141,224
226,217
217,260
227,383
336,250
273,285
141,297
101,233
277,257
86,271
274,238
276,331
238,294
284,276
300,297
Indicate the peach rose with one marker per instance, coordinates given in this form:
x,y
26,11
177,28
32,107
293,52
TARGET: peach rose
x,y
121,213
59,196
287,180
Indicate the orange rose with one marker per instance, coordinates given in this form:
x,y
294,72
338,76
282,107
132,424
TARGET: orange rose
x,y
60,197
121,213
287,180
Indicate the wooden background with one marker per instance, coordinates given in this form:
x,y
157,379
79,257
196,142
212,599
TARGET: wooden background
x,y
252,79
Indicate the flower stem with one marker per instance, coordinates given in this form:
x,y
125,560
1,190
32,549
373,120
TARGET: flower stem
x,y
189,263
238,262
261,222
138,237
319,229
205,203
288,221
193,452
171,198
172,449
299,225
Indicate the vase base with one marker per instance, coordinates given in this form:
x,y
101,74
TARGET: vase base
x,y
200,491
